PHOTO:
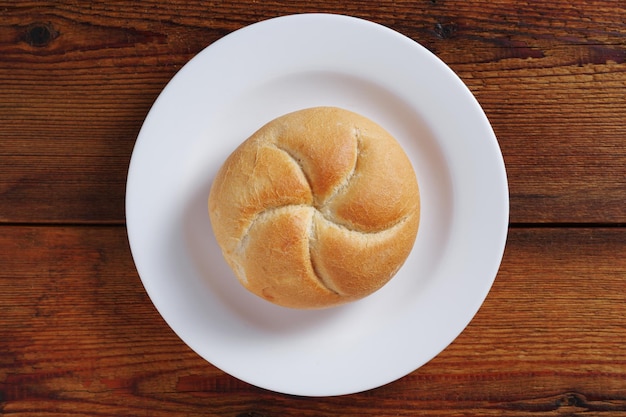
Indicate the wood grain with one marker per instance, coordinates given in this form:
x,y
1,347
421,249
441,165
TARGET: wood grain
x,y
80,337
77,79
79,334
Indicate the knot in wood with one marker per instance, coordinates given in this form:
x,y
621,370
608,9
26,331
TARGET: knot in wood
x,y
445,30
572,399
40,34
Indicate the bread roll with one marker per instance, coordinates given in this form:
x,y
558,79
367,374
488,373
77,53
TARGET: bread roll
x,y
319,207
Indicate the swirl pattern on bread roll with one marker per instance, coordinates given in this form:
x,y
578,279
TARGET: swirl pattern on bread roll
x,y
319,207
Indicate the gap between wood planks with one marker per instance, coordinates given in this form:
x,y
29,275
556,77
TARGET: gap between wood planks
x,y
515,225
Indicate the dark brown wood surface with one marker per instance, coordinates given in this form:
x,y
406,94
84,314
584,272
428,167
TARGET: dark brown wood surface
x,y
78,334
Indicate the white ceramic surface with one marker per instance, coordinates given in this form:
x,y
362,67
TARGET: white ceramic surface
x,y
258,73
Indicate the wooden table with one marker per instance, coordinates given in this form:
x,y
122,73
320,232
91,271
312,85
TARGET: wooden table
x,y
78,334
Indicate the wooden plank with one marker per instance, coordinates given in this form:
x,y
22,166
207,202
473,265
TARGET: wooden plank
x,y
77,81
79,336
56,188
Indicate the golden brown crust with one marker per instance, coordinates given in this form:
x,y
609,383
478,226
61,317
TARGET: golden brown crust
x,y
319,207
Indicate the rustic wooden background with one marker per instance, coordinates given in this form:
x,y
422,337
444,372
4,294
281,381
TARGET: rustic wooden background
x,y
78,334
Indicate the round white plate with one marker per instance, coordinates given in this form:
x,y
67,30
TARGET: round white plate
x,y
258,73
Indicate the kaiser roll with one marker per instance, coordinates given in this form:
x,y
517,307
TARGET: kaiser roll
x,y
319,207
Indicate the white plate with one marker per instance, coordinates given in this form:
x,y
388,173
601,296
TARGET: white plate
x,y
265,70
